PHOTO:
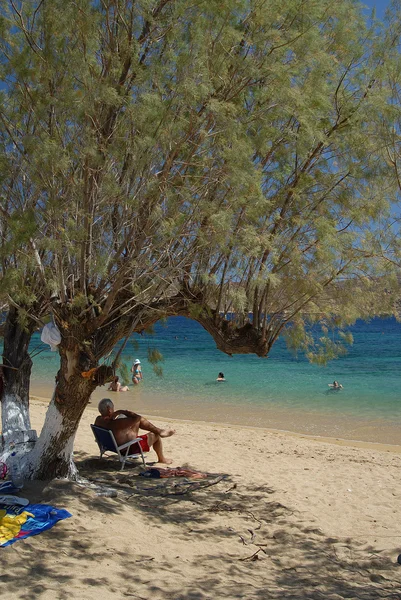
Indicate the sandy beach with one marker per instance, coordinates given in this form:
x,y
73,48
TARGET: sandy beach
x,y
280,516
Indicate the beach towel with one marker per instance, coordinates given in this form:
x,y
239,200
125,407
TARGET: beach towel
x,y
18,522
173,472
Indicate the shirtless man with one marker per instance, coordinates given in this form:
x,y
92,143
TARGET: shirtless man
x,y
127,429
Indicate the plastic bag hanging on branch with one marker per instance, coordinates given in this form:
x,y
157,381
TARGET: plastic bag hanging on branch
x,y
51,335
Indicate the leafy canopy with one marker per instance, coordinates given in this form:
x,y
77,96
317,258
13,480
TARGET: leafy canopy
x,y
163,157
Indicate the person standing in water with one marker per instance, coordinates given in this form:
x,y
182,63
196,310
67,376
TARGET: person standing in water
x,y
136,371
220,377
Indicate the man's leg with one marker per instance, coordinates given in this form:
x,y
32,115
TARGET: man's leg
x,y
154,436
148,426
155,441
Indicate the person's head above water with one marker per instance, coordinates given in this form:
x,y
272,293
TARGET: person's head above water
x,y
221,375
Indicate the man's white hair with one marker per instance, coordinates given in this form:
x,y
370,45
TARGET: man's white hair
x,y
104,406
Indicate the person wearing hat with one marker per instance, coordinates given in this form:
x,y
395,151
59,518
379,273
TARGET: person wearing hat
x,y
136,371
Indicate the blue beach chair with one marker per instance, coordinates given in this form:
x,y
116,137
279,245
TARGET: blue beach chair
x,y
107,443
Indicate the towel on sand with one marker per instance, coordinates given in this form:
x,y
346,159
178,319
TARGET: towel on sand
x,y
18,522
173,472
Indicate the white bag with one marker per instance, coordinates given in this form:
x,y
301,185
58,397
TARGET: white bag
x,y
51,335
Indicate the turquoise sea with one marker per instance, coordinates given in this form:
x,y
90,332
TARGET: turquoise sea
x,y
282,391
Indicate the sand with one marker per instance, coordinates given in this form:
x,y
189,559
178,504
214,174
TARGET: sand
x,y
280,516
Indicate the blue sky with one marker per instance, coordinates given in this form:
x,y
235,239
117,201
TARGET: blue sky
x,y
380,5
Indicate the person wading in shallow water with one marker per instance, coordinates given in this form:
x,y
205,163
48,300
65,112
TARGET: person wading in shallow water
x,y
127,429
136,371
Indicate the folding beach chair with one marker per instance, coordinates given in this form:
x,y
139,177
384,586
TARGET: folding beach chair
x,y
107,443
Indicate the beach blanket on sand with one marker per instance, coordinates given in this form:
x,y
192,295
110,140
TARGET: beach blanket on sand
x,y
173,472
19,522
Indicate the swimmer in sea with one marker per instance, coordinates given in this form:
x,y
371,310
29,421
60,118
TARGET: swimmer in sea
x,y
220,377
335,385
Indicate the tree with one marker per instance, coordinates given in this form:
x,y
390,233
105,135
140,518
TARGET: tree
x,y
390,133
190,159
23,309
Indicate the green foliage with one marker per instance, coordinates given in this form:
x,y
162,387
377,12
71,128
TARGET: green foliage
x,y
158,370
234,152
195,310
155,357
124,373
318,349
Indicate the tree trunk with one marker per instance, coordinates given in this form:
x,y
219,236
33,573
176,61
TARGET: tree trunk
x,y
53,452
52,455
17,365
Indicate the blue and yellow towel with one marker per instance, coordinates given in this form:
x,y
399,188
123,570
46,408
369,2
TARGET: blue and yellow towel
x,y
18,522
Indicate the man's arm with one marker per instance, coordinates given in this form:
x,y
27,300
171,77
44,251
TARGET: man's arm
x,y
126,413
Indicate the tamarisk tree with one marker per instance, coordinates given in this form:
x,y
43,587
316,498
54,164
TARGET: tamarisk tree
x,y
188,159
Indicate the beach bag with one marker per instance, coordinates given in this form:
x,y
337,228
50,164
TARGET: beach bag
x,y
51,335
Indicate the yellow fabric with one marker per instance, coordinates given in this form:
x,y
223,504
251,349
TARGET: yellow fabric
x,y
10,525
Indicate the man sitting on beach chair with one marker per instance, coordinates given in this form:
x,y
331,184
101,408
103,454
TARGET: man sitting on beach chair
x,y
127,429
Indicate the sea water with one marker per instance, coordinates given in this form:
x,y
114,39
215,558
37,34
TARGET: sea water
x,y
283,390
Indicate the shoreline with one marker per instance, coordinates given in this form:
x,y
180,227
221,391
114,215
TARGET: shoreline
x,y
337,441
